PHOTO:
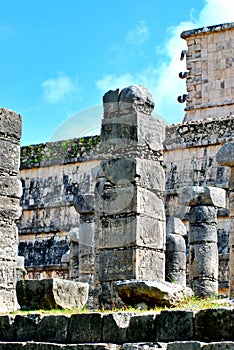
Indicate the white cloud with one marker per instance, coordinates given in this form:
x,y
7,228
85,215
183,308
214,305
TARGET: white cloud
x,y
216,12
112,82
138,35
162,80
55,89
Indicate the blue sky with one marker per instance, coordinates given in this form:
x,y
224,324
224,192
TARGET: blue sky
x,y
58,58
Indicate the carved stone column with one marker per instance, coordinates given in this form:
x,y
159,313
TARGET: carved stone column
x,y
10,192
129,192
203,256
225,157
176,251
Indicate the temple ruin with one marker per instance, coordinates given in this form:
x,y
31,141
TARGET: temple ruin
x,y
144,201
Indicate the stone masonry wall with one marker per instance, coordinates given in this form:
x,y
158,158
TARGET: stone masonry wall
x,y
48,192
50,179
10,192
210,75
208,329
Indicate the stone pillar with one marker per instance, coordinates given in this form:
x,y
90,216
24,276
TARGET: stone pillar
x,y
129,192
225,157
84,205
10,192
74,254
175,251
203,255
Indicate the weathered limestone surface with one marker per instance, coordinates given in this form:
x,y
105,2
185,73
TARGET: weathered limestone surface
x,y
225,156
203,255
210,73
48,212
10,192
129,190
151,293
51,294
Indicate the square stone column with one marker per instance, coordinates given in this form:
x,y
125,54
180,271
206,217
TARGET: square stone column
x,y
225,157
10,192
130,242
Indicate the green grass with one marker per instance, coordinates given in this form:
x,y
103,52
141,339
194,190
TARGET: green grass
x,y
193,303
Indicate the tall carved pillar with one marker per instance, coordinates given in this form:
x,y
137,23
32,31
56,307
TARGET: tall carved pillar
x,y
10,192
225,157
203,255
130,242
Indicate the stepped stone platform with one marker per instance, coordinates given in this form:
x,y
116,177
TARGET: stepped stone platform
x,y
169,329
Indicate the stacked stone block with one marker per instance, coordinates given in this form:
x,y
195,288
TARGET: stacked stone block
x,y
225,157
10,192
210,76
84,205
129,192
203,255
175,251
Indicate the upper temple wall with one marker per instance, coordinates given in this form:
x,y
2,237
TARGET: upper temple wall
x,y
210,75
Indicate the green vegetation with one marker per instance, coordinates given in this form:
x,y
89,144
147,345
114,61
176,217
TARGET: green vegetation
x,y
60,151
192,303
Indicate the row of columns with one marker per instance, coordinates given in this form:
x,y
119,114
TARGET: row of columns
x,y
126,237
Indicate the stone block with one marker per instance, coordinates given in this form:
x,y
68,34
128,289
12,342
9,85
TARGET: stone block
x,y
132,98
204,287
222,345
135,129
6,322
214,325
8,273
51,293
146,173
86,263
53,329
151,293
115,327
197,195
176,261
175,243
176,226
85,328
9,155
9,209
185,345
132,230
86,238
204,260
84,204
10,124
131,263
10,186
203,233
110,103
131,199
25,328
141,328
225,155
231,203
202,214
174,325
